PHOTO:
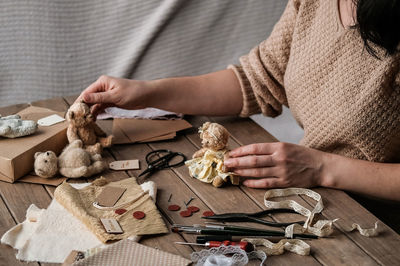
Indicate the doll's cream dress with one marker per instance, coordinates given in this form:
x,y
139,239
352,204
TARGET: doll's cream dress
x,y
209,166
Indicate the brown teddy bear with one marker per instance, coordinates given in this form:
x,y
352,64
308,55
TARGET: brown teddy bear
x,y
73,162
82,126
207,164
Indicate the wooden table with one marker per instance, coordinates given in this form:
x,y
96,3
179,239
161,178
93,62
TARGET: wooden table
x,y
342,248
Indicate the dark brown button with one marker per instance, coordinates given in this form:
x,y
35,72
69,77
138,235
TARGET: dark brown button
x,y
174,208
120,211
186,213
208,213
139,215
193,209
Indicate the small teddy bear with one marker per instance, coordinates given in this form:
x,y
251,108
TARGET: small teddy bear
x,y
73,162
82,126
13,126
207,164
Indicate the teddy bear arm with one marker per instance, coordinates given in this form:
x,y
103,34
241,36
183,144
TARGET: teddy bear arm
x,y
74,172
72,134
199,153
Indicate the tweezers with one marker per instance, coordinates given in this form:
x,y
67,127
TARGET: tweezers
x,y
252,217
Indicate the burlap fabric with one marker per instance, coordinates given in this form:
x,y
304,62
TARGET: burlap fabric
x,y
80,204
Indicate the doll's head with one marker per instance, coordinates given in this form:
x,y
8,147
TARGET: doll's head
x,y
79,115
46,164
213,136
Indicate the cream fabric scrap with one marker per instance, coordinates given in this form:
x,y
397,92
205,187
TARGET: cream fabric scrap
x,y
127,252
38,237
80,204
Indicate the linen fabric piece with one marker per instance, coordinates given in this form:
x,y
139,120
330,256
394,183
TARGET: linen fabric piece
x,y
80,204
38,237
346,100
127,252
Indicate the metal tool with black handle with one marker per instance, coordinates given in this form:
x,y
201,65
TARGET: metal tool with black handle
x,y
252,217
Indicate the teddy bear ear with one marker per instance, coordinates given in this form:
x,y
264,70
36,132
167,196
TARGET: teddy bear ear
x,y
37,154
71,115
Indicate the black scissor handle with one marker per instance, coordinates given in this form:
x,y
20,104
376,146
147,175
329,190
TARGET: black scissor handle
x,y
164,160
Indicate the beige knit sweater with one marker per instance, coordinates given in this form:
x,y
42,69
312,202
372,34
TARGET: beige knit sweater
x,y
347,101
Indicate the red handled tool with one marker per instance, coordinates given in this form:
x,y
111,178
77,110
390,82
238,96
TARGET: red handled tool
x,y
246,246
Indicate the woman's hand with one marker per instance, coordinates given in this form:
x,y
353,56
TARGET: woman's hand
x,y
109,91
278,164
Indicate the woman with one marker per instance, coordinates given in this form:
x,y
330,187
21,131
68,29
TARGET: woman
x,y
335,64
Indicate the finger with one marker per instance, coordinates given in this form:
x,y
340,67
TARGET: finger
x,y
253,149
252,161
98,97
263,183
96,109
256,172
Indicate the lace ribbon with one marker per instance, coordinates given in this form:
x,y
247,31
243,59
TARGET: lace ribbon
x,y
321,228
217,256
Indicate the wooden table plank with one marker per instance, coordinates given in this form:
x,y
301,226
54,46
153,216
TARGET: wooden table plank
x,y
379,248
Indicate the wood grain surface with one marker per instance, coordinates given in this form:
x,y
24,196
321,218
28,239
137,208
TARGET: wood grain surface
x,y
343,248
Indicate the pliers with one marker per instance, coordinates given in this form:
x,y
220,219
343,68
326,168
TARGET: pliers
x,y
252,217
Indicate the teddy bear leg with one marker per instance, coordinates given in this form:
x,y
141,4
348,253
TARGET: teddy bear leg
x,y
234,179
94,149
74,172
218,181
106,142
74,144
95,168
95,157
4,130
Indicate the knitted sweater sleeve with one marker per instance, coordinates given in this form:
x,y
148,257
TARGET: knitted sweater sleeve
x,y
261,72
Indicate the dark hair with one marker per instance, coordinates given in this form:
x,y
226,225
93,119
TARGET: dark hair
x,y
378,22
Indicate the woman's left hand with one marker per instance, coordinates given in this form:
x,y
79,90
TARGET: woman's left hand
x,y
278,164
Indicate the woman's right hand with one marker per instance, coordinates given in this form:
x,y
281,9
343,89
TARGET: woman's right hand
x,y
109,91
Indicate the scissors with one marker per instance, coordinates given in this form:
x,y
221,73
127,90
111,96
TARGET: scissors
x,y
163,162
252,217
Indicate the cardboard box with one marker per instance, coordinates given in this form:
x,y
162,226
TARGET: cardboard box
x,y
17,155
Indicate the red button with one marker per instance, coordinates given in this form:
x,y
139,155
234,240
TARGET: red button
x,y
193,208
139,215
208,213
186,213
120,211
174,207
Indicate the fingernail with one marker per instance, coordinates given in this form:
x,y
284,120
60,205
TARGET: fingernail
x,y
228,162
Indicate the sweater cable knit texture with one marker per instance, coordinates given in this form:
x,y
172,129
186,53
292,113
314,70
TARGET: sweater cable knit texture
x,y
347,101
